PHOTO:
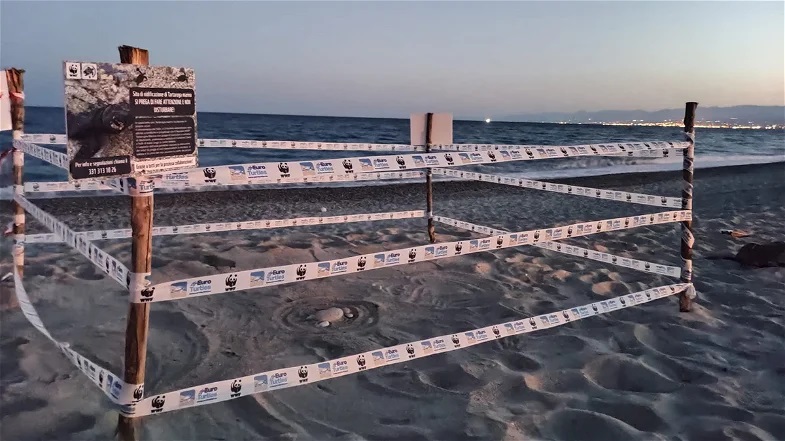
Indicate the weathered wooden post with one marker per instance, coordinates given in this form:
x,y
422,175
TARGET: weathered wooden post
x,y
429,178
16,90
687,237
141,255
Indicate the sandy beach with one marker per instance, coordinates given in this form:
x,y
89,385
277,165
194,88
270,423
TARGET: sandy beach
x,y
643,373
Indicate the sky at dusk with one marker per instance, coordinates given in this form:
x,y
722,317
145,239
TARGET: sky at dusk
x,y
391,59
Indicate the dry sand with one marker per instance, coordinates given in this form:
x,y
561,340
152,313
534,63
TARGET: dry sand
x,y
646,372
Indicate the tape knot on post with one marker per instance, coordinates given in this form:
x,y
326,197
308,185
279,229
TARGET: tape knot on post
x,y
690,136
690,292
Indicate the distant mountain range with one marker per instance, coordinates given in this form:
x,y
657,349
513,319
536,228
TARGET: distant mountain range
x,y
733,114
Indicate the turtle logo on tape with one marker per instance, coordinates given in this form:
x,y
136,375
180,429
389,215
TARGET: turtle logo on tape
x,y
187,398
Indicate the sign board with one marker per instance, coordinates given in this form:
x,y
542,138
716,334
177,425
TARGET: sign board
x,y
441,128
128,119
5,103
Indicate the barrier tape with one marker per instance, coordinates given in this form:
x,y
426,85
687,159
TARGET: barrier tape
x,y
236,226
343,168
110,383
640,265
55,158
542,150
254,174
262,277
558,151
597,193
301,375
108,264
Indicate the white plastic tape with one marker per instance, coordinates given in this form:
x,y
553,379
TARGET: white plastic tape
x,y
640,265
235,226
305,374
263,277
598,193
307,145
110,384
45,154
108,264
19,218
550,152
255,174
56,186
44,138
343,169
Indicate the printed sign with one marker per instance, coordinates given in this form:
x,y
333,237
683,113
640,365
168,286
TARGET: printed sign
x,y
5,103
441,128
128,120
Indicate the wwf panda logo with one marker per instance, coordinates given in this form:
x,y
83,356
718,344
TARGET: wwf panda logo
x,y
532,323
536,236
594,150
458,248
207,227
347,166
301,270
629,197
147,293
103,234
77,185
529,154
585,253
127,280
647,266
565,315
499,241
613,259
284,169
139,392
448,158
239,226
455,340
231,282
648,295
174,229
209,174
201,143
107,266
558,247
401,162
361,362
158,403
410,350
594,307
626,222
412,255
36,187
544,185
663,200
90,253
569,189
665,153
73,70
651,218
496,332
564,151
623,303
361,263
598,193
622,148
101,378
236,387
492,156
234,143
303,374
599,226
569,232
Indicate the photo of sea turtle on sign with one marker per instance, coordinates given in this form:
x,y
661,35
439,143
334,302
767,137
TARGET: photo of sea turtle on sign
x,y
99,114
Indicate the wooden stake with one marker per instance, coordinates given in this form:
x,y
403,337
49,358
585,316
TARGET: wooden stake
x,y
141,255
16,89
429,179
687,237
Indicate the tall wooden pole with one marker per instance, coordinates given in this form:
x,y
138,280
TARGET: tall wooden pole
x,y
16,89
429,178
687,237
141,255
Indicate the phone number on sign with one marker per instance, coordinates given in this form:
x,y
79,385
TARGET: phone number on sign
x,y
102,170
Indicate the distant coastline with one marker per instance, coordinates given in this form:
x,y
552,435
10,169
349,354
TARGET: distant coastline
x,y
750,117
